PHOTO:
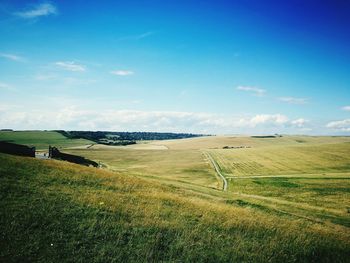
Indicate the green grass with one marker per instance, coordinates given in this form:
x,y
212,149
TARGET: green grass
x,y
41,139
52,211
319,198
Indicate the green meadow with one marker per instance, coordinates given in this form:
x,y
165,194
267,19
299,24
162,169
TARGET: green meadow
x,y
41,139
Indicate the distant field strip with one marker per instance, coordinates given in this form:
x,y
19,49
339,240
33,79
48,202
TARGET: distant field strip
x,y
295,176
217,169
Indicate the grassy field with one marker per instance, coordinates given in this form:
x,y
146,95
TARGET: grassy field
x,y
288,199
41,139
282,160
169,166
304,177
309,180
55,211
316,198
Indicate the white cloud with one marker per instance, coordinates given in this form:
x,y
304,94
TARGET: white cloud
x,y
262,119
70,66
256,91
39,10
76,118
122,72
346,108
11,57
300,123
343,125
293,100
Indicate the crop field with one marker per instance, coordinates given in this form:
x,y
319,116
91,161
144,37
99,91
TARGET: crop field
x,y
310,180
283,160
41,139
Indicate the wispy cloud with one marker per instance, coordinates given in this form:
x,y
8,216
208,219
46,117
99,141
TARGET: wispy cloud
x,y
293,100
39,10
122,72
254,90
144,35
5,86
12,57
137,37
44,77
70,66
342,125
346,108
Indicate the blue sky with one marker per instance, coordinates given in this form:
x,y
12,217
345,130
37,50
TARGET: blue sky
x,y
223,67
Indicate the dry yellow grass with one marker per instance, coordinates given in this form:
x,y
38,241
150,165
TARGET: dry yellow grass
x,y
110,216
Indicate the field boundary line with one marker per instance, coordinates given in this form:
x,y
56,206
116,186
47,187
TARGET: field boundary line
x,y
287,176
217,170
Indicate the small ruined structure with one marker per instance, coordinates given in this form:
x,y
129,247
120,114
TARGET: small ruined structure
x,y
23,150
56,154
16,149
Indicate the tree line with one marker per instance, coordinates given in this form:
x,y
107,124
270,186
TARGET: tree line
x,y
124,138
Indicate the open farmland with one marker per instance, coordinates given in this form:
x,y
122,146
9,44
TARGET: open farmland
x,y
303,177
287,200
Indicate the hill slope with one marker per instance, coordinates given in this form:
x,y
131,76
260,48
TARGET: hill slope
x,y
54,211
41,139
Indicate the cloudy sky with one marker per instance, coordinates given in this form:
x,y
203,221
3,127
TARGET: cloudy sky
x,y
223,67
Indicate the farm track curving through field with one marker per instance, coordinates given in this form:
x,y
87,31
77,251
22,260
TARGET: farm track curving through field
x,y
274,203
217,170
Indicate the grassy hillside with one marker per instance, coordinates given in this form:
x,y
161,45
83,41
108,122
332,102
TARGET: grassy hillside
x,y
41,139
55,211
